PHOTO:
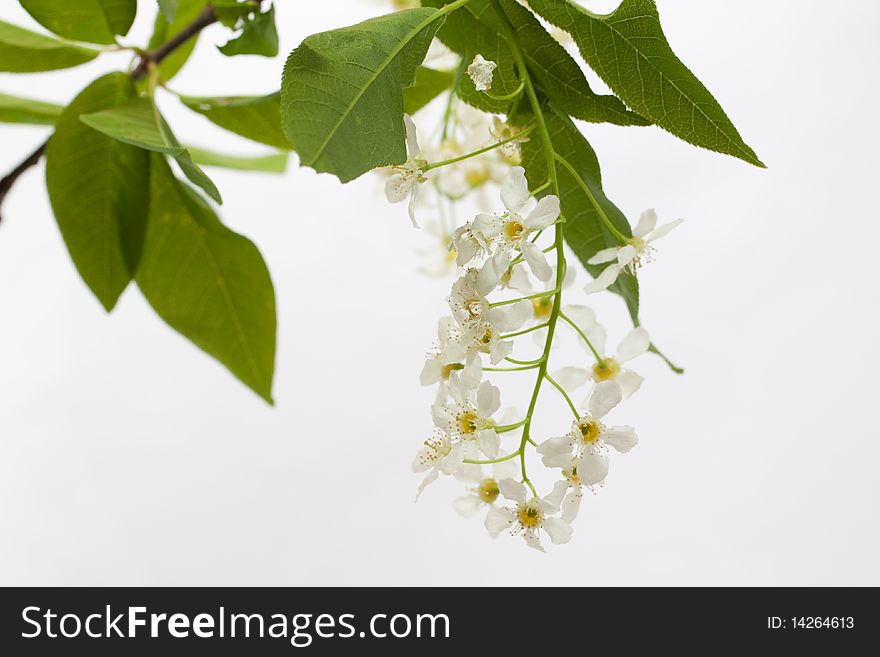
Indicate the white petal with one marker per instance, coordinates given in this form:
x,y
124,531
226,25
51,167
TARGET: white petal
x,y
560,488
500,350
472,373
561,445
544,214
412,140
519,280
606,395
626,254
558,530
646,223
488,399
432,372
603,256
505,469
397,187
536,260
429,479
413,197
571,378
604,280
664,230
633,345
530,536
622,439
512,490
442,416
469,472
515,190
629,381
593,467
468,506
571,505
486,226
488,441
497,520
451,461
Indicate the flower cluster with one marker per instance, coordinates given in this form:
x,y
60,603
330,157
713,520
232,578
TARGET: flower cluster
x,y
506,288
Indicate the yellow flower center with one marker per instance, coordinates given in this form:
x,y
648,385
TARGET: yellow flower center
x,y
467,422
513,230
488,490
476,177
590,430
474,308
606,369
529,516
542,307
572,476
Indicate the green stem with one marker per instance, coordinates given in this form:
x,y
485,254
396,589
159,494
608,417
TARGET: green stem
x,y
537,327
491,461
571,405
524,362
623,239
504,428
550,155
577,328
538,295
491,147
509,369
513,94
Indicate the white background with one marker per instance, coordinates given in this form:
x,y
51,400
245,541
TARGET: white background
x,y
129,457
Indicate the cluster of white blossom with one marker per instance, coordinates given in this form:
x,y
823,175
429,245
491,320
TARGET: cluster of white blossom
x,y
493,304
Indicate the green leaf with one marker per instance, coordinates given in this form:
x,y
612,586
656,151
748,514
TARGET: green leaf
x,y
628,50
272,163
429,84
255,117
22,51
258,37
168,8
14,109
93,21
585,232
559,76
140,124
207,282
342,92
98,189
230,12
164,30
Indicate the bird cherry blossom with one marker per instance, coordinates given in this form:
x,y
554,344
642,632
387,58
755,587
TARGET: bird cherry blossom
x,y
610,368
527,518
481,71
638,251
405,179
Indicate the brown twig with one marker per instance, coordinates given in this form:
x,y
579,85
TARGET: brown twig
x,y
147,59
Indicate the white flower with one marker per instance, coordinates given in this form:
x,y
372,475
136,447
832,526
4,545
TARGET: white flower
x,y
636,252
405,179
483,490
440,454
481,72
633,345
448,355
568,493
504,131
468,245
468,415
527,518
467,301
513,229
589,437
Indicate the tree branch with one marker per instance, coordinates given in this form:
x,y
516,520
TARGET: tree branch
x,y
150,58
